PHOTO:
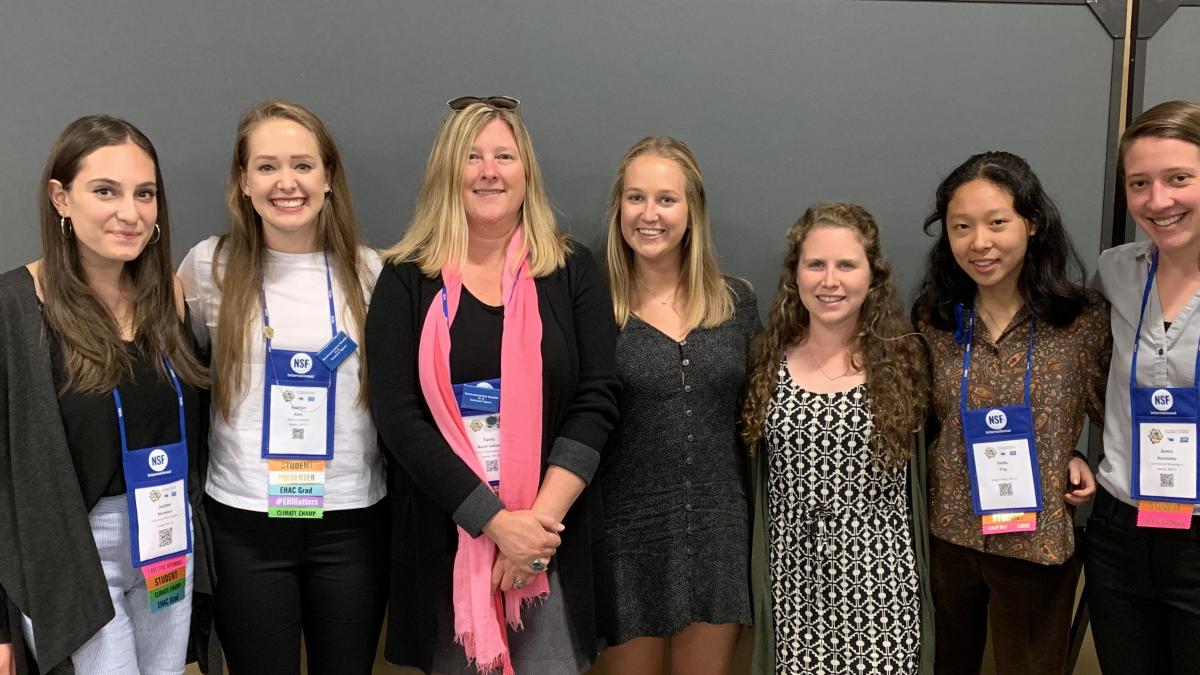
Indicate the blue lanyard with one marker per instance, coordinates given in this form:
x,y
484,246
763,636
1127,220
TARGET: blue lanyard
x,y
268,333
446,302
967,358
121,408
1137,334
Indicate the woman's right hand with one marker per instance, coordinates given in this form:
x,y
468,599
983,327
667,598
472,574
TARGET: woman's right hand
x,y
524,536
8,664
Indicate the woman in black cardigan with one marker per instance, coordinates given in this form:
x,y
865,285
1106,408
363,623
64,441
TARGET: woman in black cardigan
x,y
481,289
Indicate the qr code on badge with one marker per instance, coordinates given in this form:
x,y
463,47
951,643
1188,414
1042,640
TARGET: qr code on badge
x,y
166,536
1006,490
297,434
1166,480
492,465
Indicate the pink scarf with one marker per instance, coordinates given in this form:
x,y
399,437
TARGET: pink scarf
x,y
480,614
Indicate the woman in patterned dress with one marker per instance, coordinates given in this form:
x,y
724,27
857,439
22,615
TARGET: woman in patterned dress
x,y
836,392
677,522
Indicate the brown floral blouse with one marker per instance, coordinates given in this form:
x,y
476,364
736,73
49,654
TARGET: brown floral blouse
x,y
1070,371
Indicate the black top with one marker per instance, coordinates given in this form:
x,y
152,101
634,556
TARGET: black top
x,y
475,339
430,488
90,420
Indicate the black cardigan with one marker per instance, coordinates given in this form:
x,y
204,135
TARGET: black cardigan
x,y
49,567
430,488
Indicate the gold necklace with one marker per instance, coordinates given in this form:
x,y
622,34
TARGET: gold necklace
x,y
662,302
813,358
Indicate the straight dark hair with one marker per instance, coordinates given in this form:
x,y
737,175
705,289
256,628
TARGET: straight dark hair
x,y
93,349
1051,278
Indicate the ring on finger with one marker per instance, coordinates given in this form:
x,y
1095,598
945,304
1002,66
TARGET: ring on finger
x,y
519,583
537,565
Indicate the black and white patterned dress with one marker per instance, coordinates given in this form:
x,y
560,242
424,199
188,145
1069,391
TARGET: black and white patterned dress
x,y
844,582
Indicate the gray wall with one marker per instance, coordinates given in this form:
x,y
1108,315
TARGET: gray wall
x,y
785,102
1173,59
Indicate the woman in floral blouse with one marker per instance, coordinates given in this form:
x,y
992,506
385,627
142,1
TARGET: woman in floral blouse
x,y
1019,352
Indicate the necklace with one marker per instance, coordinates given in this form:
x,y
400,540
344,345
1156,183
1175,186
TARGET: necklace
x,y
662,302
813,358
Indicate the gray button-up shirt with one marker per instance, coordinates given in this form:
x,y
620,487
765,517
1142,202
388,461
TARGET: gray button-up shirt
x,y
1166,357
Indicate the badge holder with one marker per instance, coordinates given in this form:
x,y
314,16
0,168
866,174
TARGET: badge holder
x,y
298,417
1165,471
1002,459
160,535
479,405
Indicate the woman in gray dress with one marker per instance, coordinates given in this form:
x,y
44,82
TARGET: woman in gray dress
x,y
676,513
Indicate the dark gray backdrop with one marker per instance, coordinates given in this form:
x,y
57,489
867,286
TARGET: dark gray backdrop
x,y
785,102
1173,59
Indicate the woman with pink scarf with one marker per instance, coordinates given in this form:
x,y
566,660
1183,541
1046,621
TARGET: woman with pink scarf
x,y
491,341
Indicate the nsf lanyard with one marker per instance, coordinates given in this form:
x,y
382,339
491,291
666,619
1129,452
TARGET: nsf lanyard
x,y
300,388
1164,466
962,396
156,493
1001,450
479,405
1137,335
269,333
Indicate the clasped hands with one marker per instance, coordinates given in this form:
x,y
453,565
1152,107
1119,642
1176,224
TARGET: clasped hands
x,y
521,537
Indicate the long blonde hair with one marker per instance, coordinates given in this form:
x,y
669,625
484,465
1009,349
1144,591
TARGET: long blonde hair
x,y
437,234
92,346
708,301
245,249
895,359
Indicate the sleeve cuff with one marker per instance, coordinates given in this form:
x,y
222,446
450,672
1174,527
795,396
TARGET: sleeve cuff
x,y
575,457
477,509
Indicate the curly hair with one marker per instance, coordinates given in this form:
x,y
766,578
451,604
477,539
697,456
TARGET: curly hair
x,y
883,343
1051,278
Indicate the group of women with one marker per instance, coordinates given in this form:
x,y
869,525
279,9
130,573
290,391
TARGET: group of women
x,y
548,456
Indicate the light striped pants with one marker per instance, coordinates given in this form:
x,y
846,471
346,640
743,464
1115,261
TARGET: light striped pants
x,y
135,642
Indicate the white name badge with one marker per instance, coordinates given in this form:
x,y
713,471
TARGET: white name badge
x,y
299,420
162,519
484,432
1004,477
1167,459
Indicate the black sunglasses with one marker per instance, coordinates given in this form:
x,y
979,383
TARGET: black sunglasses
x,y
497,102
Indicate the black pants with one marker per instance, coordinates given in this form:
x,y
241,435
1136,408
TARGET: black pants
x,y
277,577
1143,592
1029,606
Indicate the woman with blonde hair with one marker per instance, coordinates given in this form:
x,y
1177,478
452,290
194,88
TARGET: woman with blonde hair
x,y
296,490
490,337
676,514
837,389
102,448
1142,561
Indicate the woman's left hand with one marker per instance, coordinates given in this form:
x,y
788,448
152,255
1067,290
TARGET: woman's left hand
x,y
506,574
1084,484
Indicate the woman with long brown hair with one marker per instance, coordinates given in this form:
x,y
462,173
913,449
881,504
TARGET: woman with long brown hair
x,y
102,446
296,488
837,389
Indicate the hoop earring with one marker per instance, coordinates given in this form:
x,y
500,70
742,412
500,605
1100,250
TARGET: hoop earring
x,y
157,235
62,227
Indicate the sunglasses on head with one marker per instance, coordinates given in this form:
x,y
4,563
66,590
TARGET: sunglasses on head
x,y
497,102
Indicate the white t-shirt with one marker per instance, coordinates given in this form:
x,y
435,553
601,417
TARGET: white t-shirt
x,y
296,299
